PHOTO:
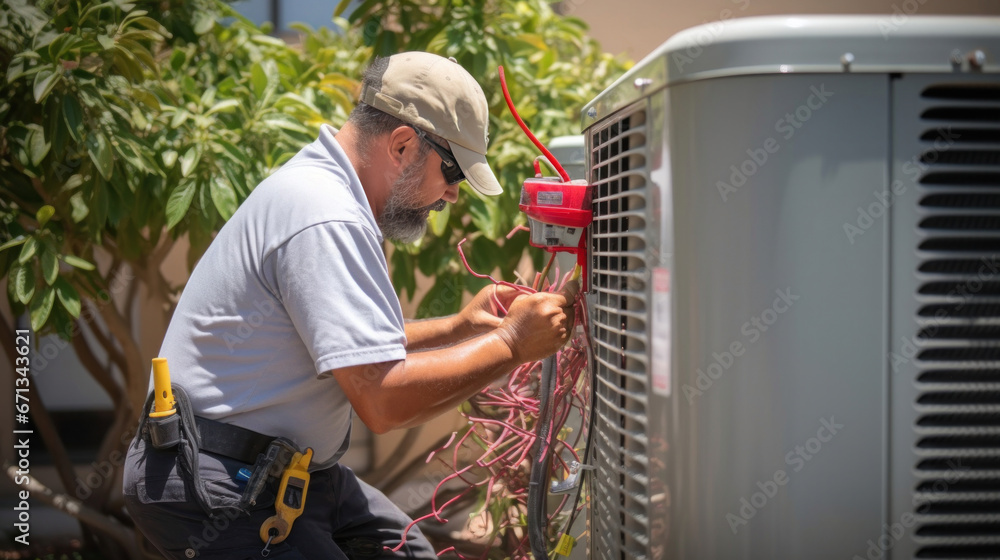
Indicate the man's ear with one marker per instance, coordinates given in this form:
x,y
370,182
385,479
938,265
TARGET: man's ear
x,y
402,145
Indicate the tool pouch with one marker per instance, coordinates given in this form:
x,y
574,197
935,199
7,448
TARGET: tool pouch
x,y
181,432
165,433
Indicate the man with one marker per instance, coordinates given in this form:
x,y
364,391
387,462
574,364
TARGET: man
x,y
289,323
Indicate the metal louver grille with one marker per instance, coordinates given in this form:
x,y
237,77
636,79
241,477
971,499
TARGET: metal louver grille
x,y
618,315
957,496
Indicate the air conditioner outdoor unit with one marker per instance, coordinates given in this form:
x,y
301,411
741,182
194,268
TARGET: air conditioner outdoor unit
x,y
795,299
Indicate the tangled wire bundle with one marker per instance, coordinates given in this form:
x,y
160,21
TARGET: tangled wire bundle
x,y
492,455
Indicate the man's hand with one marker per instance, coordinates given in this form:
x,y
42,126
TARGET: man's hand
x,y
537,325
409,392
481,314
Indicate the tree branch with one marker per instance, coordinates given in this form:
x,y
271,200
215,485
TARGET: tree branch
x,y
130,298
377,474
160,252
114,354
70,506
114,444
121,330
412,467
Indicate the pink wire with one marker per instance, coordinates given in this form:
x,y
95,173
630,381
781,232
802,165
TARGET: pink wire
x,y
512,408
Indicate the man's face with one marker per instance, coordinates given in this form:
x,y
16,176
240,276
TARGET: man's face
x,y
403,218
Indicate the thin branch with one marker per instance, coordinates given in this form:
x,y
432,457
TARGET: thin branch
x,y
160,252
94,367
114,444
108,345
131,299
70,506
113,270
412,467
121,330
376,475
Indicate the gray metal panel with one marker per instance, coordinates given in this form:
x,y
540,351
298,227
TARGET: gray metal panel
x,y
621,500
806,44
945,312
742,422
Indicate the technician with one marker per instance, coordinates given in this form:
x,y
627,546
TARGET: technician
x,y
289,325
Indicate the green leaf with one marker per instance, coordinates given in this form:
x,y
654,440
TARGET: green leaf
x,y
179,202
444,298
223,105
228,150
44,214
45,80
73,116
341,6
107,43
100,153
224,197
69,297
14,242
77,262
24,284
28,250
439,220
403,272
38,148
258,80
41,307
189,160
79,208
169,158
16,69
178,59
50,266
203,22
179,117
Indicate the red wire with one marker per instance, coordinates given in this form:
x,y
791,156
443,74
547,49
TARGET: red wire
x,y
524,127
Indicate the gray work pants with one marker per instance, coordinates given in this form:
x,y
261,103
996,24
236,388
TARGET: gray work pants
x,y
344,518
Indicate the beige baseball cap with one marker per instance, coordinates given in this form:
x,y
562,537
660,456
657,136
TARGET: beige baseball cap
x,y
437,95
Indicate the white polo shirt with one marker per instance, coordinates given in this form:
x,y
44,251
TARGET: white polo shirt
x,y
294,285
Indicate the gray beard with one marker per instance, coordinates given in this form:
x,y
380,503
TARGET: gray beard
x,y
401,220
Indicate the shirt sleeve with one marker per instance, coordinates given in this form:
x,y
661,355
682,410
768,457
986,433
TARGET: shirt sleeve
x,y
333,280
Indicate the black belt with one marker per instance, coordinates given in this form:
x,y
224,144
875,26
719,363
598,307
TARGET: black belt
x,y
231,441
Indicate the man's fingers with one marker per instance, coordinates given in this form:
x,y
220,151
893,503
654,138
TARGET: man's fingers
x,y
506,294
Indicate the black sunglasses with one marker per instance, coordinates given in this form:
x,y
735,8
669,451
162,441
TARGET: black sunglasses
x,y
449,165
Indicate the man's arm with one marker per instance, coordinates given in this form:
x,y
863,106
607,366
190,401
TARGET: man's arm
x,y
478,317
405,393
435,333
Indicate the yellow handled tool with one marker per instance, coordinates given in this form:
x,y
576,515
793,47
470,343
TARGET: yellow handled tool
x,y
291,499
164,403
